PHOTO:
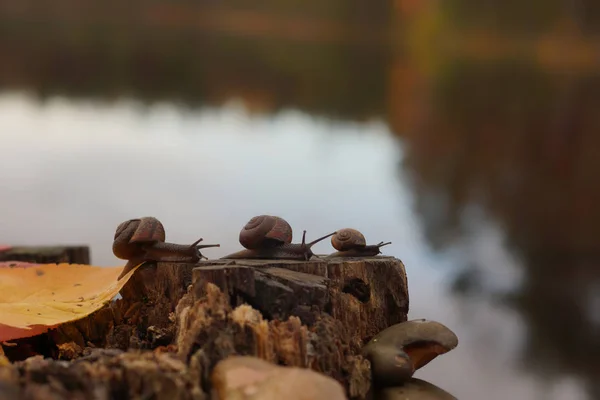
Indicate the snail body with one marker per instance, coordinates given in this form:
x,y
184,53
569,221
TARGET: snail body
x,y
351,243
143,239
270,237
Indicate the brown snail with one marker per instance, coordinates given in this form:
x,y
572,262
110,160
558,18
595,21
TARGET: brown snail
x,y
351,243
265,231
143,239
270,237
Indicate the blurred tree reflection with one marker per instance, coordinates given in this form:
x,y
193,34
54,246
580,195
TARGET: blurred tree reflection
x,y
327,59
524,143
511,125
495,101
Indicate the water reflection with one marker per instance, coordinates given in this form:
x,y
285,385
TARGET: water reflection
x,y
72,172
524,156
214,167
469,140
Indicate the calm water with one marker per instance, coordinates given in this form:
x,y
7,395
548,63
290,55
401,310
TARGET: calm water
x,y
73,170
470,143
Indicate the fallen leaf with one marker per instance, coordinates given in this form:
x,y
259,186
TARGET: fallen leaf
x,y
37,297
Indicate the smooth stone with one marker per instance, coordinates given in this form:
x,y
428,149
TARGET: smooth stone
x,y
252,378
414,389
399,350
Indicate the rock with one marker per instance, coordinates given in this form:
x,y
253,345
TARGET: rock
x,y
398,351
414,389
248,378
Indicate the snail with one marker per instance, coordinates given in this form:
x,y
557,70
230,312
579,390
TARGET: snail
x,y
265,231
270,237
143,239
351,243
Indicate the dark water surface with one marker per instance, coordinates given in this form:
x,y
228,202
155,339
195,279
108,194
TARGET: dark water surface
x,y
481,166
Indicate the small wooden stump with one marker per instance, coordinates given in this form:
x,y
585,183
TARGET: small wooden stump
x,y
47,254
366,294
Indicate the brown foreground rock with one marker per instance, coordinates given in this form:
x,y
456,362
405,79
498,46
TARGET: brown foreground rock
x,y
414,389
316,314
249,378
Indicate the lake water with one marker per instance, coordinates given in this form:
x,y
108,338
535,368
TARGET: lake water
x,y
73,170
475,152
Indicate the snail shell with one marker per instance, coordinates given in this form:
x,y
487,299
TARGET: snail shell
x,y
137,232
265,231
143,239
347,239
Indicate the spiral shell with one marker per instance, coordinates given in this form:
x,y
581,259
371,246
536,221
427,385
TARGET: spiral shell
x,y
265,231
348,238
136,231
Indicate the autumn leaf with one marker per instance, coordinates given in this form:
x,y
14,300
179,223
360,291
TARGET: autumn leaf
x,y
37,297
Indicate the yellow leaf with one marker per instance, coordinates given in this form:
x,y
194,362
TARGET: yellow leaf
x,y
36,297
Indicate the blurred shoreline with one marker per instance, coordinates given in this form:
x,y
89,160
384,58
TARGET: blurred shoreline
x,y
494,105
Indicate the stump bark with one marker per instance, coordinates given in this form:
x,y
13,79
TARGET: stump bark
x,y
313,314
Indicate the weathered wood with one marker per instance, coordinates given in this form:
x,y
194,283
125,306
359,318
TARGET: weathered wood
x,y
277,292
210,330
47,254
328,309
366,294
304,294
113,374
158,288
369,294
313,314
231,279
102,375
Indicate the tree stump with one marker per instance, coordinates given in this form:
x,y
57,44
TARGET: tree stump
x,y
312,314
366,294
